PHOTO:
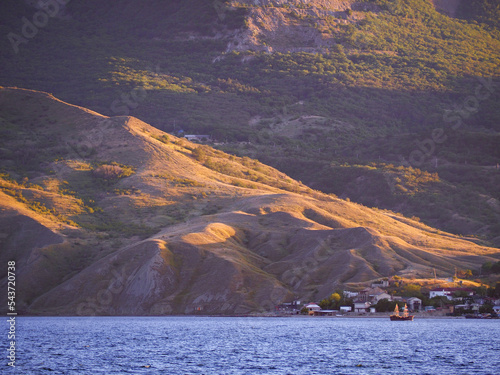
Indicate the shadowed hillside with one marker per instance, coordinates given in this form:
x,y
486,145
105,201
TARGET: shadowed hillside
x,y
109,215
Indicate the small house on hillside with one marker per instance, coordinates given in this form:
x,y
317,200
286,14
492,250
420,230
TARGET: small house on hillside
x,y
373,295
381,296
384,283
348,294
367,293
200,138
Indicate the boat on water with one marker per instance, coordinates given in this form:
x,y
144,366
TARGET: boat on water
x,y
404,316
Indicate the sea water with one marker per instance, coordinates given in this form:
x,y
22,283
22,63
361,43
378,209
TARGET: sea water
x,y
232,345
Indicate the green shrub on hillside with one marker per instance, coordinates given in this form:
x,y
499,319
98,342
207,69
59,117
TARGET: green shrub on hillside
x,y
112,172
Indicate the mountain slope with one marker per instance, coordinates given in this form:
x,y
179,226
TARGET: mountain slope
x,y
109,215
350,91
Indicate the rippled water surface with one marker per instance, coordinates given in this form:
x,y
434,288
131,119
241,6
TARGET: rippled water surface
x,y
302,345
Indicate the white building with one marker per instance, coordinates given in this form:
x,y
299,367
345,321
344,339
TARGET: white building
x,y
380,284
448,292
414,304
361,307
198,137
378,297
312,307
348,294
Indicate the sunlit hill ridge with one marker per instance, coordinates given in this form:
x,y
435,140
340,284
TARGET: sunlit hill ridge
x,y
109,215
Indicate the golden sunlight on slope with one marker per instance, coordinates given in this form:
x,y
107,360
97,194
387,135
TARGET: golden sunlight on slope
x,y
112,216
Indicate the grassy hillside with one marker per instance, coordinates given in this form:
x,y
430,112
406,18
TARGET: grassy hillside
x,y
109,215
361,86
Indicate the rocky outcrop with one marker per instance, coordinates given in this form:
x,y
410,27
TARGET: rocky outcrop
x,y
294,26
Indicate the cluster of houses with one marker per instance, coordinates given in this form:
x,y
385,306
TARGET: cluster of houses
x,y
365,301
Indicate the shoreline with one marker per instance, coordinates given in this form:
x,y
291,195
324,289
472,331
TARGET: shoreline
x,y
292,316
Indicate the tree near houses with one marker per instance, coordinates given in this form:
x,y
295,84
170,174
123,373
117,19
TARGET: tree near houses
x,y
335,301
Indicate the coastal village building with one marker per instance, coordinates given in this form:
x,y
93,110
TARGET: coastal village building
x,y
366,300
414,303
345,309
373,295
361,306
312,307
380,296
293,307
449,292
325,312
348,294
380,284
473,306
